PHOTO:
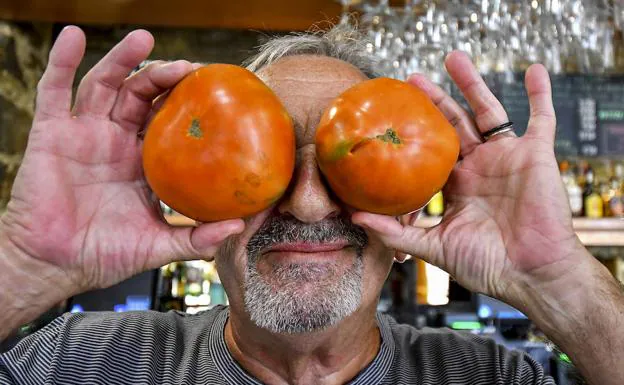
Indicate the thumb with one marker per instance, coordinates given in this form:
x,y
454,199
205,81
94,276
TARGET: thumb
x,y
187,243
416,241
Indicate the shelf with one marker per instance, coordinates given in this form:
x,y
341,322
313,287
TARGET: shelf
x,y
592,232
604,224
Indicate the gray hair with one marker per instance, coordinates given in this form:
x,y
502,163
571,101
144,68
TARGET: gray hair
x,y
343,41
276,297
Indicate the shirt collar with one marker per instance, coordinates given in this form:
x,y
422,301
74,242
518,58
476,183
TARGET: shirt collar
x,y
234,374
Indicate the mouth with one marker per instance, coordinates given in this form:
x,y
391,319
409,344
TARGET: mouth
x,y
308,252
306,262
308,247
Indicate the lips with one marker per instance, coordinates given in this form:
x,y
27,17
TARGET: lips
x,y
306,247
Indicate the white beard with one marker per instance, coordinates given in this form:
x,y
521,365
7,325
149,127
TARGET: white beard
x,y
299,298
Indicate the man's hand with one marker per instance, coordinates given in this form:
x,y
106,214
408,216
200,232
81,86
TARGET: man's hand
x,y
507,231
507,217
81,212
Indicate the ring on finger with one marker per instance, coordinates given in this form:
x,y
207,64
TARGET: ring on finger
x,y
505,127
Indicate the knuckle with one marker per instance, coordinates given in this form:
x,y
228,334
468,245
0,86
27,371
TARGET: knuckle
x,y
145,68
489,107
156,64
454,120
545,115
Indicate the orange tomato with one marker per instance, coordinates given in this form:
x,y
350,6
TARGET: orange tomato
x,y
385,148
222,146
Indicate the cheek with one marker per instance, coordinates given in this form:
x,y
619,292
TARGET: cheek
x,y
378,261
229,256
230,269
231,259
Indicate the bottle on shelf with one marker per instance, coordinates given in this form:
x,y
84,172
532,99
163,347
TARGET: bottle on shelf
x,y
605,195
616,199
573,190
169,288
592,201
178,286
164,282
582,167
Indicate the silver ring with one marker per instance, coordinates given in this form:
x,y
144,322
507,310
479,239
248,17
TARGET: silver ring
x,y
505,127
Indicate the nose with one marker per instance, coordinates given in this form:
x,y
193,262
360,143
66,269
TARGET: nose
x,y
309,199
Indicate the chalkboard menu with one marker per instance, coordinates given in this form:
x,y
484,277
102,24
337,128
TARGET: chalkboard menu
x,y
590,112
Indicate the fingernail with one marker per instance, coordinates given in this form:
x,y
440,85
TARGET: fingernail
x,y
361,224
364,226
236,227
175,63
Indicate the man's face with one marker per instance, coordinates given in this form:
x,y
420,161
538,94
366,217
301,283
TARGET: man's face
x,y
301,265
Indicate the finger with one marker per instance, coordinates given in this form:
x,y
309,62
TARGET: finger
x,y
158,103
456,114
404,239
54,91
99,88
543,121
138,91
404,220
187,243
488,111
156,106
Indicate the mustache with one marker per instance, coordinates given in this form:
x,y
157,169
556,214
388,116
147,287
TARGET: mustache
x,y
282,229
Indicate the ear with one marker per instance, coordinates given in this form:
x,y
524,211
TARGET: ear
x,y
406,220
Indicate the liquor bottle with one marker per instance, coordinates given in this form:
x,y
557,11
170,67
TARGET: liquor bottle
x,y
169,297
573,190
178,281
592,201
605,194
165,282
435,207
616,198
582,168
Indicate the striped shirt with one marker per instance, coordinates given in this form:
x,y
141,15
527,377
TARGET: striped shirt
x,y
177,348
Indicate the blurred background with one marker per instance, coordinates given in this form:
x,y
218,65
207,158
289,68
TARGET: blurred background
x,y
579,41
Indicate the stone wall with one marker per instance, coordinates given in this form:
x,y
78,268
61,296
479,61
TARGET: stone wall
x,y
23,55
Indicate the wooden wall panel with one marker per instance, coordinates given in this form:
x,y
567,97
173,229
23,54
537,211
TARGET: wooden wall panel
x,y
278,15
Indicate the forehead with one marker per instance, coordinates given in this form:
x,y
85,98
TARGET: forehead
x,y
306,84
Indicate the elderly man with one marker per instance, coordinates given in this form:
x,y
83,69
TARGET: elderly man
x,y
303,276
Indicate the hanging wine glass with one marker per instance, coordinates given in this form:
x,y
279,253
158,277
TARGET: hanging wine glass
x,y
345,14
502,36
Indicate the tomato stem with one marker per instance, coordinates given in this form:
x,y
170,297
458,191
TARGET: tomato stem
x,y
389,136
194,130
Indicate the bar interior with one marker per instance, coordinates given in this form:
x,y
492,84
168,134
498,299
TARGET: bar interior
x,y
580,42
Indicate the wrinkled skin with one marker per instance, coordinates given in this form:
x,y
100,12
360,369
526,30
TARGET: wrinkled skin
x,y
81,215
80,204
508,223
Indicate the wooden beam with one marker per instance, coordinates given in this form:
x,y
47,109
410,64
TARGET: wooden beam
x,y
277,15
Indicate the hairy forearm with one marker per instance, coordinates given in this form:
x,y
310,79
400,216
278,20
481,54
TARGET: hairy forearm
x,y
584,316
28,287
